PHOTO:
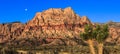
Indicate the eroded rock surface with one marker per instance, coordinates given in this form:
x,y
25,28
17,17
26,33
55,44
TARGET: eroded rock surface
x,y
50,27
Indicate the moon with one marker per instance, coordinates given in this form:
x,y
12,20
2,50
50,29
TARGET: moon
x,y
26,9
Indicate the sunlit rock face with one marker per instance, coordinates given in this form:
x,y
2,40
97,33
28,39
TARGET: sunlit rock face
x,y
114,35
54,26
57,22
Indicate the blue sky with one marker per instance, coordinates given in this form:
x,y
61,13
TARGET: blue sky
x,y
95,10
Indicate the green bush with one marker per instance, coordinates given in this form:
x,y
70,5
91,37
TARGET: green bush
x,y
7,50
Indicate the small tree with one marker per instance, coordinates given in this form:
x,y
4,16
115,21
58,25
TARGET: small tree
x,y
101,33
88,36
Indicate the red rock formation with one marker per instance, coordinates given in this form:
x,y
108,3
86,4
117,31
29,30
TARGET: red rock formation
x,y
52,26
63,22
114,35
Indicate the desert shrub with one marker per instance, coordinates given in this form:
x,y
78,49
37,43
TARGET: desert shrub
x,y
7,50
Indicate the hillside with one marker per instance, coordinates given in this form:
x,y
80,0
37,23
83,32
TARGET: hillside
x,y
54,26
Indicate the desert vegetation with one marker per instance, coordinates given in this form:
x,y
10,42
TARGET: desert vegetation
x,y
64,32
88,36
98,33
80,49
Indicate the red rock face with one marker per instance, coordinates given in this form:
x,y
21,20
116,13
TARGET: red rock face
x,y
114,35
58,21
53,26
47,26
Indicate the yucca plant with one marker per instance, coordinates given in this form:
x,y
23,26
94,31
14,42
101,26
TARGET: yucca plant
x,y
101,33
87,35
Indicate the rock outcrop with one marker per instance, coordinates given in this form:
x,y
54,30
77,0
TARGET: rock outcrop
x,y
114,36
57,22
50,27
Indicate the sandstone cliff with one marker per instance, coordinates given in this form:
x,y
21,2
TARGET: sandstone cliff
x,y
50,27
57,22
